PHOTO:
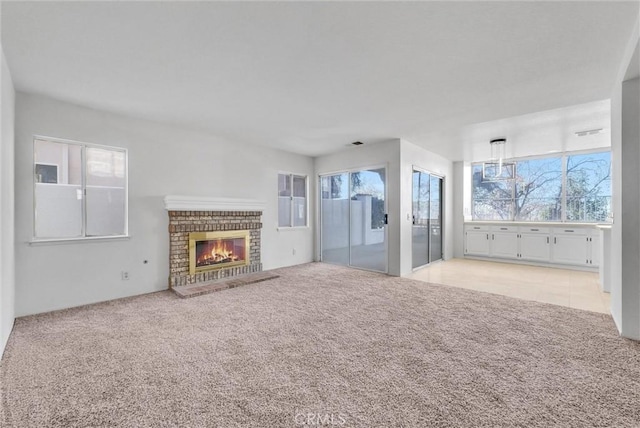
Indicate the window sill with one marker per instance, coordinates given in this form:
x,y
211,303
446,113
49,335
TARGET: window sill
x,y
283,229
93,239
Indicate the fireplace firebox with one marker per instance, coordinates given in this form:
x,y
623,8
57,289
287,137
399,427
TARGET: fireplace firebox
x,y
218,250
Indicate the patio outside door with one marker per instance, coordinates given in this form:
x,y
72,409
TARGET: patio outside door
x,y
427,218
353,219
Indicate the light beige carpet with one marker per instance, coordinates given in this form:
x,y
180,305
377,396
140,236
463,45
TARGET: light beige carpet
x,y
367,349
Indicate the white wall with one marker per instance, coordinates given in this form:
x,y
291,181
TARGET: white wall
x,y
461,208
414,156
163,160
616,189
630,210
625,252
7,252
384,153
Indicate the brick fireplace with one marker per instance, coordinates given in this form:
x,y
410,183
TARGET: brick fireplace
x,y
211,239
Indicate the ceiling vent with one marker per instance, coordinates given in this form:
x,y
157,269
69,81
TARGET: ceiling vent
x,y
589,132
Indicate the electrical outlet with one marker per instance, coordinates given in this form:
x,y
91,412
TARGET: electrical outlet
x,y
125,275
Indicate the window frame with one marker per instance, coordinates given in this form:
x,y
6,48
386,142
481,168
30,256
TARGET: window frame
x,y
290,176
83,183
563,155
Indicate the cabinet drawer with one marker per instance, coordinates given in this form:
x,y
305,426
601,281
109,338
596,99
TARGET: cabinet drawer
x,y
504,228
483,228
532,229
574,231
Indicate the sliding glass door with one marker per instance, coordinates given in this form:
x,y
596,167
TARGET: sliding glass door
x,y
420,229
368,243
353,219
334,226
435,218
426,234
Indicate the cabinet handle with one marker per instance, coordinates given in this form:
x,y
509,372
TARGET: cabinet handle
x,y
493,237
547,239
568,230
503,228
487,236
535,230
554,240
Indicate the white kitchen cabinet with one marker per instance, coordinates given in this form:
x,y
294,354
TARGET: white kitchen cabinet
x,y
594,255
504,242
563,245
535,244
570,247
477,241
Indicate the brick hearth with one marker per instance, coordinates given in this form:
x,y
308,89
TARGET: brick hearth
x,y
181,223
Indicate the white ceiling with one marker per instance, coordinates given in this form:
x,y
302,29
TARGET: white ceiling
x,y
312,77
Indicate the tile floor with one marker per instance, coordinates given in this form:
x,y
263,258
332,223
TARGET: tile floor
x,y
564,287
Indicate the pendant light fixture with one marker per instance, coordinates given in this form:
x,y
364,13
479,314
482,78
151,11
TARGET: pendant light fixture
x,y
496,168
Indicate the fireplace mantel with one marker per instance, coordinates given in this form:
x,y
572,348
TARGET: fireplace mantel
x,y
199,203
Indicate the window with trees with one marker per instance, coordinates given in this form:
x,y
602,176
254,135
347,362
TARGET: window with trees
x,y
80,190
570,187
292,200
589,187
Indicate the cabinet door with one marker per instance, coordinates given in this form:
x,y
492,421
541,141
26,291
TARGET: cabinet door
x,y
504,244
535,247
595,250
477,243
570,249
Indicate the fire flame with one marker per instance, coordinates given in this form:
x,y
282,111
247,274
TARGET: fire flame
x,y
221,252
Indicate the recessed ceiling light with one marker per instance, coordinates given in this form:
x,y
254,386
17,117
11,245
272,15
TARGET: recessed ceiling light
x,y
589,132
